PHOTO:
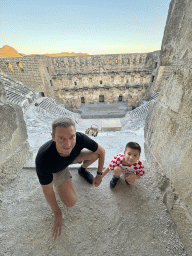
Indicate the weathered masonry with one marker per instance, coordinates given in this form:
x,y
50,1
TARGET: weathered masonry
x,y
14,147
168,128
76,80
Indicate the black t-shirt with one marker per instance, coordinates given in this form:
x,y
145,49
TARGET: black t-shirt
x,y
49,161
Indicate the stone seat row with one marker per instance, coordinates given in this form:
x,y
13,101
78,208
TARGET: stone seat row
x,y
16,85
22,95
141,112
14,97
17,92
48,105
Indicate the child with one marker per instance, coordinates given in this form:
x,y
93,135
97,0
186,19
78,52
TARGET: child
x,y
128,163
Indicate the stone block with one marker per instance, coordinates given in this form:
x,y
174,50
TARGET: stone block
x,y
111,125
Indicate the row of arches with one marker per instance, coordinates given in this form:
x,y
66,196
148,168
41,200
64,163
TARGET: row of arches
x,y
127,60
102,99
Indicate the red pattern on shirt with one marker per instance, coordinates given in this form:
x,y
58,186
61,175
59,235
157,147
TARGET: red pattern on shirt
x,y
118,161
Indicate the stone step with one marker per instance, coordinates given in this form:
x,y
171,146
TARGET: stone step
x,y
102,110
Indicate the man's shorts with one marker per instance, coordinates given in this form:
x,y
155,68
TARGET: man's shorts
x,y
60,177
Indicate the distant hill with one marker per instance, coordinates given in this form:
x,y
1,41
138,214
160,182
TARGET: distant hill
x,y
65,54
9,52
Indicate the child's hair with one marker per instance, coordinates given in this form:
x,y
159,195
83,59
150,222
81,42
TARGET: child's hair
x,y
133,145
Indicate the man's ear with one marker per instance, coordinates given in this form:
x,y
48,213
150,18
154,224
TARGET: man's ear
x,y
53,137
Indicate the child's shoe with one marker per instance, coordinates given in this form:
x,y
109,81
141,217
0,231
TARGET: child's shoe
x,y
113,182
86,175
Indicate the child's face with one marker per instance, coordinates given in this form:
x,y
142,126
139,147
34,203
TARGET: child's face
x,y
131,156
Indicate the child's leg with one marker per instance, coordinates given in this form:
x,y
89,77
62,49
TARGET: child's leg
x,y
128,180
126,176
117,172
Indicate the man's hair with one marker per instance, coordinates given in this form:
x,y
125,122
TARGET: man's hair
x,y
62,122
133,145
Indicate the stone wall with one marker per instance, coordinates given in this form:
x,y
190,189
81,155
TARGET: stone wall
x,y
73,97
67,79
14,148
168,129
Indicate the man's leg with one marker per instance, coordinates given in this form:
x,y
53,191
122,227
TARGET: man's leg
x,y
87,157
64,187
67,193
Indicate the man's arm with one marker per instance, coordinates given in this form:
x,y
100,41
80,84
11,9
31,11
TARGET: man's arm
x,y
51,199
101,158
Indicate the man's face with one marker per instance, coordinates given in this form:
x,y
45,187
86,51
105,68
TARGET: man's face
x,y
65,139
131,156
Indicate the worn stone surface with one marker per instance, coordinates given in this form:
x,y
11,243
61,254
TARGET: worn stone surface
x,y
129,220
14,148
3,96
168,129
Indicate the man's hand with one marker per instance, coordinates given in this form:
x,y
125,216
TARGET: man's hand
x,y
97,181
58,221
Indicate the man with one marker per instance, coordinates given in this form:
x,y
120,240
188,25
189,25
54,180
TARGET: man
x,y
53,158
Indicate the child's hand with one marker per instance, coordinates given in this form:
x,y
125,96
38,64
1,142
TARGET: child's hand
x,y
130,178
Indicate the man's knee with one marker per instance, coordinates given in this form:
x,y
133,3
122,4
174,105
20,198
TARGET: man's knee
x,y
70,203
67,193
87,155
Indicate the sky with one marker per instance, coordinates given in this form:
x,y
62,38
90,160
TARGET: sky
x,y
86,26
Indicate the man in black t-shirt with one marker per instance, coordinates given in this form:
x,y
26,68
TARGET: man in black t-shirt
x,y
53,158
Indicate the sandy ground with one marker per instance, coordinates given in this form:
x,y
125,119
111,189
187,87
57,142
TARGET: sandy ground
x,y
128,220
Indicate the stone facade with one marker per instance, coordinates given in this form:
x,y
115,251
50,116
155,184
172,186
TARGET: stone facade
x,y
14,148
168,129
75,80
104,78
